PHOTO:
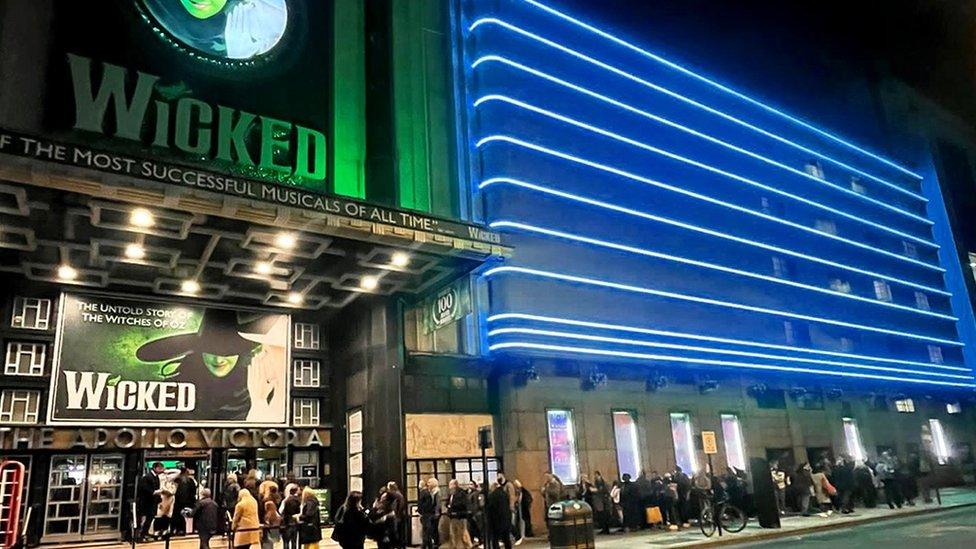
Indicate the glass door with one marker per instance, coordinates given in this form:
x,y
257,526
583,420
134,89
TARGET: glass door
x,y
104,509
65,491
84,497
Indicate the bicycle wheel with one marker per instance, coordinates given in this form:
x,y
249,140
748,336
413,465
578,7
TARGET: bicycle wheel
x,y
706,521
733,519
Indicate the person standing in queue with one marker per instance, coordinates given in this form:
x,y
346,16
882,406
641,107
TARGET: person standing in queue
x,y
498,516
309,520
459,512
206,518
229,496
291,507
246,524
148,497
351,524
429,506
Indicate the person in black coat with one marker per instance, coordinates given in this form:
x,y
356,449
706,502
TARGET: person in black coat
x,y
291,507
498,517
148,498
310,519
630,501
184,498
351,524
525,502
843,480
206,518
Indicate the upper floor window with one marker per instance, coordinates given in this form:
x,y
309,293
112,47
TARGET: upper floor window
x,y
31,313
25,359
935,354
781,267
909,248
306,373
797,333
857,186
305,412
826,226
905,405
882,291
18,406
839,285
922,301
814,168
307,336
953,408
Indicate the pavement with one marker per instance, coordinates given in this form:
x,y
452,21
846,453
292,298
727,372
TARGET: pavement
x,y
898,527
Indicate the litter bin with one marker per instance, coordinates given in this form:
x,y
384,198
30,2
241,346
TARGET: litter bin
x,y
570,525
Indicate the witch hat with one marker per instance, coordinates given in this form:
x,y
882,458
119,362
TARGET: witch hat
x,y
219,334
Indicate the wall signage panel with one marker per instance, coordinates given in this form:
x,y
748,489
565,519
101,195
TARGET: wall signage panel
x,y
433,436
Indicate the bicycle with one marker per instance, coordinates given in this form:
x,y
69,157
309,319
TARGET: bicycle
x,y
721,515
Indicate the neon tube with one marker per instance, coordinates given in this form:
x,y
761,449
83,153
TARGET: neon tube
x,y
707,167
679,347
719,86
637,213
668,358
708,301
705,198
707,265
500,317
615,70
630,108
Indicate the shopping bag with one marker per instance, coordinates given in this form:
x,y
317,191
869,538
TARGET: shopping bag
x,y
654,515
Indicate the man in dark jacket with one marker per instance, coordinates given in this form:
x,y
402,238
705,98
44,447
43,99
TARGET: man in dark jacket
x,y
429,508
498,516
399,504
206,518
646,490
292,506
230,493
844,483
630,501
684,495
148,498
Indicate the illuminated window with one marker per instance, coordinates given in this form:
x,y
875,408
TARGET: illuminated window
x,y
25,359
306,373
30,313
935,354
781,268
909,249
882,290
797,333
684,442
19,406
852,438
922,301
562,445
628,447
839,285
814,168
905,406
846,344
953,408
735,453
857,186
939,443
826,226
307,336
305,412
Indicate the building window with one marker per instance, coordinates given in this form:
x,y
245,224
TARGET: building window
x,y
305,412
19,406
882,291
307,336
839,285
31,313
905,406
797,333
857,186
940,445
826,226
922,301
935,354
562,445
852,439
306,373
810,400
814,169
846,344
735,452
781,267
25,359
909,249
953,407
684,442
771,399
628,446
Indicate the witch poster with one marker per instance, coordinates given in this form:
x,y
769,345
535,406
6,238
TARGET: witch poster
x,y
122,361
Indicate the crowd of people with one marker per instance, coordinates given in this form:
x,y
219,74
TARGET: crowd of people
x,y
261,513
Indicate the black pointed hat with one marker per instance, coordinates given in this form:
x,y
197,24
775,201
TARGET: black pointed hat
x,y
219,334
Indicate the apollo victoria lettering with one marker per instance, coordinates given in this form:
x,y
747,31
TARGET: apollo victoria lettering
x,y
168,116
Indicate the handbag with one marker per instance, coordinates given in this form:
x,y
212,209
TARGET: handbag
x,y
829,488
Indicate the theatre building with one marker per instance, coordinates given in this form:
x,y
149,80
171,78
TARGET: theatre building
x,y
200,243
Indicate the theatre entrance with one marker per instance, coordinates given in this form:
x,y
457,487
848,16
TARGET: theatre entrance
x,y
84,497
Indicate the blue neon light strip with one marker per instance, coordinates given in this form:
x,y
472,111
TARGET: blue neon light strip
x,y
659,184
502,317
719,86
679,347
708,301
615,70
669,358
640,112
637,213
707,167
678,259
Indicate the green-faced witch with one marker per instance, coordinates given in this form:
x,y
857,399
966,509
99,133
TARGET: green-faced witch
x,y
225,29
236,365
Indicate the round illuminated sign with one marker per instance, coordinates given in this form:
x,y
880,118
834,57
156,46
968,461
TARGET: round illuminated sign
x,y
222,30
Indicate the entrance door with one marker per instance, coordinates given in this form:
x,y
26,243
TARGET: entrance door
x,y
84,497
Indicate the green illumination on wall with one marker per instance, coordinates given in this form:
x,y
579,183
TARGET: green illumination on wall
x,y
349,100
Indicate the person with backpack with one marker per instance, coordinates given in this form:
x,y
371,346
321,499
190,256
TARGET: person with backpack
x,y
351,523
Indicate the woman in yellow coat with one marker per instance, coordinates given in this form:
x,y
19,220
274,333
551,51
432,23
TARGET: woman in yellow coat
x,y
246,518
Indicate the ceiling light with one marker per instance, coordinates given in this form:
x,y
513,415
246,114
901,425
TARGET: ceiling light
x,y
67,272
399,259
263,267
190,286
295,298
285,241
369,283
135,251
141,217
